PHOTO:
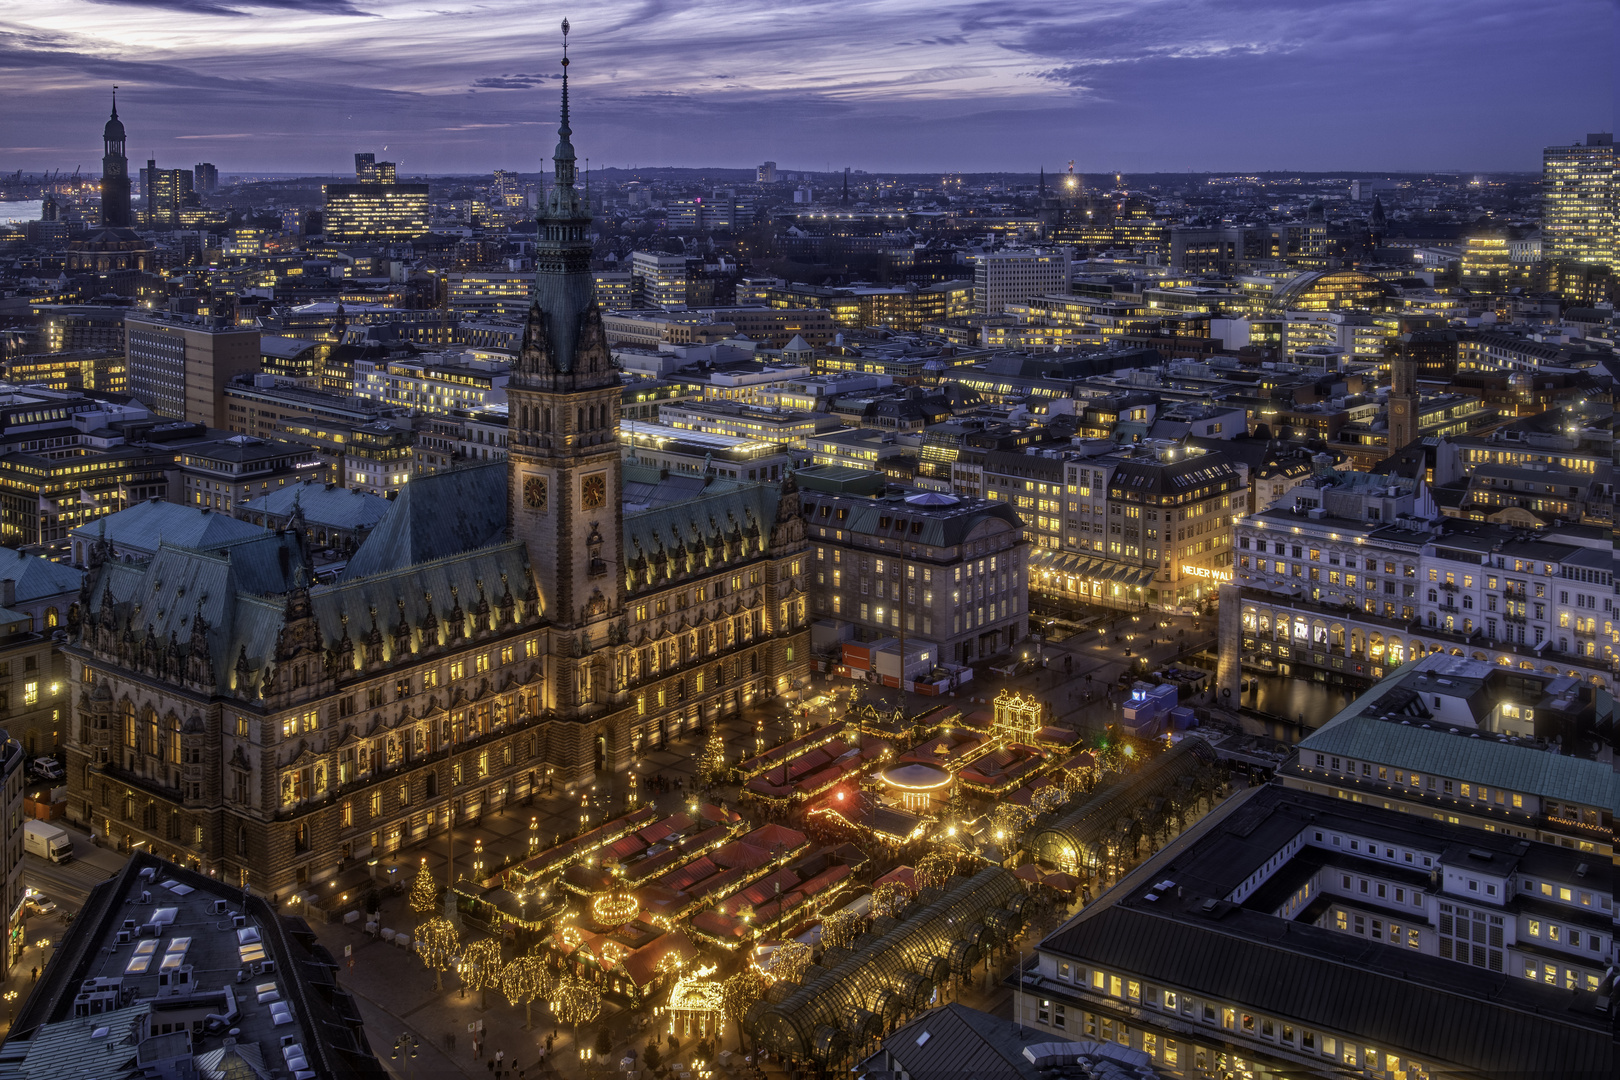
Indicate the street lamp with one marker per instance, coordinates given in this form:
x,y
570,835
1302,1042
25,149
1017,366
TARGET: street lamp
x,y
534,835
11,1001
405,1046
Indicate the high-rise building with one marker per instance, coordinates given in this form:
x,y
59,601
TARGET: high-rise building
x,y
179,365
375,212
658,280
1010,277
368,170
1577,221
766,173
114,174
207,178
166,192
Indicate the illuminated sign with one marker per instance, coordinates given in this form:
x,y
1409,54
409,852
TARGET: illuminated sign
x,y
1206,572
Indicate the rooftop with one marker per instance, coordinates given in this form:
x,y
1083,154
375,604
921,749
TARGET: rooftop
x,y
167,966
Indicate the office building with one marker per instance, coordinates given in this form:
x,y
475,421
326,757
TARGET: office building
x,y
658,280
368,170
557,581
227,473
374,458
115,193
205,178
165,192
1013,276
1578,205
375,212
766,173
179,365
105,1008
1297,934
486,293
441,384
933,568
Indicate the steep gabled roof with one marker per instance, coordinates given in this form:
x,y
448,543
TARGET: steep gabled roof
x,y
435,516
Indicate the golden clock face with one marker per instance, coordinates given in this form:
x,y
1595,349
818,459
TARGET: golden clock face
x,y
593,491
1399,408
534,492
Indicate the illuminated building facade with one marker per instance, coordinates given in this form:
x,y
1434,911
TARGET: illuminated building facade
x,y
1148,526
166,192
430,385
375,212
1010,277
1578,210
226,474
179,365
944,568
659,280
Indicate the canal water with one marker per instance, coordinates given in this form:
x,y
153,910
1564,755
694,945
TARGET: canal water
x,y
1296,700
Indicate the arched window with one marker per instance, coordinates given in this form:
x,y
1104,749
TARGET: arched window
x,y
51,617
241,841
127,709
172,750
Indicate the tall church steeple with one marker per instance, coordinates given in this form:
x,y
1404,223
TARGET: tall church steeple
x,y
563,452
114,172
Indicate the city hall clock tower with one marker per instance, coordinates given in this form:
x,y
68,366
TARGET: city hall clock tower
x,y
563,450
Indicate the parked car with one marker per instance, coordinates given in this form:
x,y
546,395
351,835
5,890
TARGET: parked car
x,y
39,904
47,768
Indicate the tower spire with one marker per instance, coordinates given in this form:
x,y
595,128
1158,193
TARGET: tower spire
x,y
565,130
564,202
115,103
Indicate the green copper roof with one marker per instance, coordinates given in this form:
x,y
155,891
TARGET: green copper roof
x,y
1481,761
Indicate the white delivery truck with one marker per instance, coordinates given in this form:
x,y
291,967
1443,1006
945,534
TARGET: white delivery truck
x,y
47,841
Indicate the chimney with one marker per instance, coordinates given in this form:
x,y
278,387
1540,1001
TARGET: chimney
x,y
8,592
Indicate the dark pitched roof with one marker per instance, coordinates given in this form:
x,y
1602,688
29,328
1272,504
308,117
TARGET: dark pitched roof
x,y
435,516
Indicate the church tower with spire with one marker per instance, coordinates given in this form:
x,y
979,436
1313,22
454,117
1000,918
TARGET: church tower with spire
x,y
114,172
563,453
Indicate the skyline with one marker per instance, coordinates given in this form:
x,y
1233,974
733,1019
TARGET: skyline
x,y
961,87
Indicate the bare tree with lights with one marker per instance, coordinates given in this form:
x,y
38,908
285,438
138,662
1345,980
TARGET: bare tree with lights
x,y
481,967
575,1001
524,980
790,961
890,899
738,994
840,929
436,943
934,870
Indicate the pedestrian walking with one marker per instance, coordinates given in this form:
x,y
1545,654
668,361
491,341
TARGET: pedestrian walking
x,y
500,1056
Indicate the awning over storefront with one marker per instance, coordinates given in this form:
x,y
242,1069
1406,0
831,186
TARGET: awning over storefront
x,y
1089,568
